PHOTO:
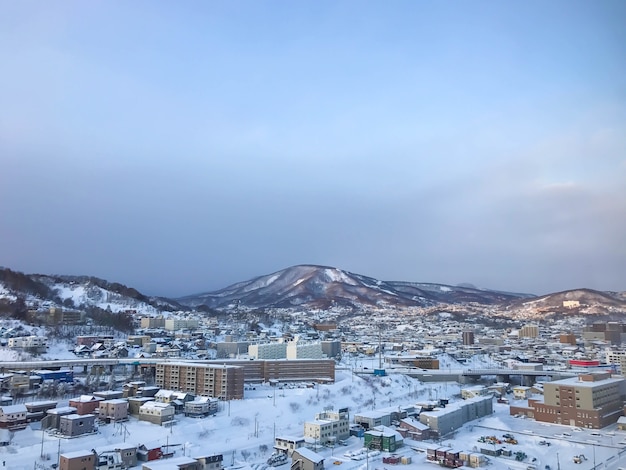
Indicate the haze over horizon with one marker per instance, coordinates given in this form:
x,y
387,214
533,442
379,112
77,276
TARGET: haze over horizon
x,y
182,147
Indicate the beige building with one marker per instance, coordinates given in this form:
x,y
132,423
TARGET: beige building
x,y
212,380
79,460
529,331
328,426
114,410
306,459
268,351
156,412
589,400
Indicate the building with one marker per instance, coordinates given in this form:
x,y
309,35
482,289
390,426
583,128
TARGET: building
x,y
521,393
53,416
468,338
286,445
152,322
77,425
157,413
173,324
371,419
445,420
382,438
567,338
201,407
85,404
589,400
304,350
13,417
412,428
328,426
114,410
331,348
210,462
135,403
79,460
38,343
175,463
305,459
276,350
36,410
218,381
529,331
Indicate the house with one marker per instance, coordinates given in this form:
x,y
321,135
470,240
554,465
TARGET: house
x,y
176,463
370,419
13,417
135,403
36,410
286,445
412,428
120,455
53,417
306,459
79,460
201,407
157,413
77,425
210,462
621,423
146,453
521,393
86,404
114,410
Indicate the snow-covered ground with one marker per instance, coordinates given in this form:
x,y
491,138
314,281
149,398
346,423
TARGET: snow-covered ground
x,y
243,430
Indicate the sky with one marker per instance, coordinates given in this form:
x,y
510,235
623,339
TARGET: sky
x,y
180,147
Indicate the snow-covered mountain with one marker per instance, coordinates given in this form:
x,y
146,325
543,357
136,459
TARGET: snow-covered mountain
x,y
78,292
322,287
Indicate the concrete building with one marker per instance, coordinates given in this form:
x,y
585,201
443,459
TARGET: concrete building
x,y
371,419
39,343
135,403
157,413
218,381
529,331
592,400
152,322
76,425
114,410
304,350
287,445
268,351
53,416
468,338
173,324
331,348
328,426
86,404
79,460
445,420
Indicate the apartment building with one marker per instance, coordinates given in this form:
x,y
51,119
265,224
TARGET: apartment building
x,y
529,331
304,350
28,342
219,381
445,420
268,351
328,426
592,400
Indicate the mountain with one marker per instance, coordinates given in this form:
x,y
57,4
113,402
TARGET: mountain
x,y
323,287
78,292
571,302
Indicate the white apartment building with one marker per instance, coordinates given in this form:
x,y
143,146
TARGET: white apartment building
x,y
328,426
28,342
615,357
300,350
173,324
268,351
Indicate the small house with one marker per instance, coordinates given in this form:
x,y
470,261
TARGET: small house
x,y
79,460
306,459
77,425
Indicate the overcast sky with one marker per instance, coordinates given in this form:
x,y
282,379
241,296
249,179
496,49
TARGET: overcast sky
x,y
179,147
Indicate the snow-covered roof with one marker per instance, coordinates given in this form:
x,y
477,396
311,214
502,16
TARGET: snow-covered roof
x,y
309,454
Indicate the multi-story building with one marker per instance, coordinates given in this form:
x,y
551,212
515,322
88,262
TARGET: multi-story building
x,y
114,410
219,381
529,331
268,351
445,420
328,426
13,417
589,400
304,350
152,322
173,324
156,412
468,338
201,407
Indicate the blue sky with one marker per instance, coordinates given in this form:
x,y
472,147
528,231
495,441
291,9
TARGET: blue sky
x,y
179,147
